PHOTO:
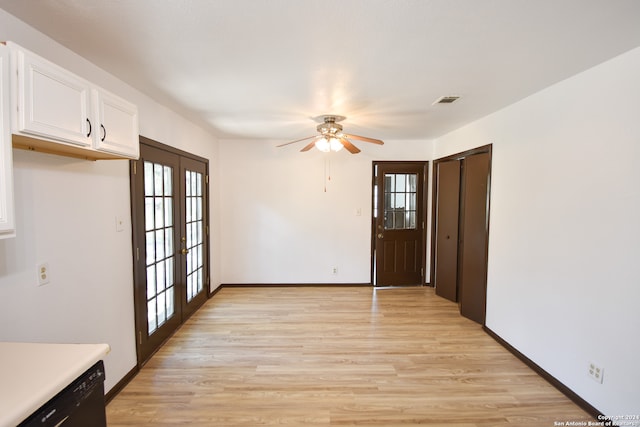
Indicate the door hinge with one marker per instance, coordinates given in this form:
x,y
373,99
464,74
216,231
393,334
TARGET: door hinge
x,y
422,272
206,179
207,230
137,254
139,337
135,167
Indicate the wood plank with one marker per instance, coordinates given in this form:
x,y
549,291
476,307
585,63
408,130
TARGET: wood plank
x,y
318,356
61,149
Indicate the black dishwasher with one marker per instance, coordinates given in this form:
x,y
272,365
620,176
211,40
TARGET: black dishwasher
x,y
80,404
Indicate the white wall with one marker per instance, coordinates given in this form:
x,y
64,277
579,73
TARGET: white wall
x,y
563,279
564,243
65,215
278,223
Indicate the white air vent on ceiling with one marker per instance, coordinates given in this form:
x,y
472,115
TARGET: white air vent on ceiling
x,y
446,100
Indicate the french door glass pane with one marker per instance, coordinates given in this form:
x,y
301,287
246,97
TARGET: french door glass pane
x,y
151,280
151,315
170,299
195,225
160,259
400,195
412,182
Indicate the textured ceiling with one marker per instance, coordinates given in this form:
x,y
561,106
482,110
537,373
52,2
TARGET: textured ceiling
x,y
263,68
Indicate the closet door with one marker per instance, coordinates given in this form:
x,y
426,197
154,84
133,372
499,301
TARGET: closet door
x,y
446,236
474,236
461,229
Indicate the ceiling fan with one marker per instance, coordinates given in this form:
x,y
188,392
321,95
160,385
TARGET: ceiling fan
x,y
331,137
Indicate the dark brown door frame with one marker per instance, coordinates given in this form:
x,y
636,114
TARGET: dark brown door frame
x,y
423,219
458,156
138,223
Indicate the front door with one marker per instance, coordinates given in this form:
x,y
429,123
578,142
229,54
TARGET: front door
x,y
398,223
169,206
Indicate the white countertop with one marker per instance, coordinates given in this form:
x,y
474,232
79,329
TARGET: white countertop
x,y
32,373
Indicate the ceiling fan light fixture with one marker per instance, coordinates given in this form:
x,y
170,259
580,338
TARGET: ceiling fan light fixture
x,y
331,137
335,144
323,145
326,145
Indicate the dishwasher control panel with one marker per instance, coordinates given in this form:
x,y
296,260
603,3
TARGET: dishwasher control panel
x,y
81,403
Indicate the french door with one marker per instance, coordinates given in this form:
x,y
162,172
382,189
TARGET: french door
x,y
398,234
169,199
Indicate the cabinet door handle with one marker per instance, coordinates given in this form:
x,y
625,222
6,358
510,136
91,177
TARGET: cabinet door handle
x,y
104,133
89,133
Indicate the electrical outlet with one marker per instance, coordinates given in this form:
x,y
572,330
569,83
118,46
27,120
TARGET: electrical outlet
x,y
596,372
334,270
43,273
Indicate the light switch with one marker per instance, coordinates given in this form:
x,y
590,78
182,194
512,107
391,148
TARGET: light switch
x,y
119,223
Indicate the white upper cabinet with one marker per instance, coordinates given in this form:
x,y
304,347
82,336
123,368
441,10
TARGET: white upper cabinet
x,y
52,102
118,124
7,224
68,115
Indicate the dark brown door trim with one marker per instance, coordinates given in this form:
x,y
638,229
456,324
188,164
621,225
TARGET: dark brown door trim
x,y
170,149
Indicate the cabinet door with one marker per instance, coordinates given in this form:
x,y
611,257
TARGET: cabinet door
x,y
53,103
7,226
117,122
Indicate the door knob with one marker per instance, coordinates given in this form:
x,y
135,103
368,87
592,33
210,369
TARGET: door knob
x,y
380,235
184,251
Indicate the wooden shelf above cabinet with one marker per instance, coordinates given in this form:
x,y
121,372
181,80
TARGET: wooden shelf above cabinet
x,y
51,147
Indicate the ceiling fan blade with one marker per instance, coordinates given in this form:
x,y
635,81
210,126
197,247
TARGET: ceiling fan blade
x,y
365,139
349,146
297,140
308,146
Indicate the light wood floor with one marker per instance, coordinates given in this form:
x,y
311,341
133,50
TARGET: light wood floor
x,y
324,356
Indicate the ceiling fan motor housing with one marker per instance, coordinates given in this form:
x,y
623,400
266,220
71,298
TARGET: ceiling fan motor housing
x,y
329,126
